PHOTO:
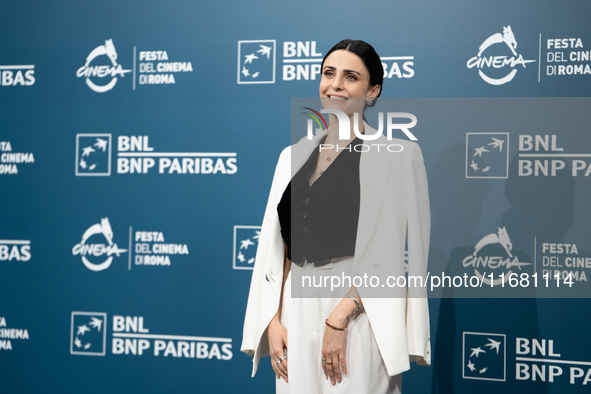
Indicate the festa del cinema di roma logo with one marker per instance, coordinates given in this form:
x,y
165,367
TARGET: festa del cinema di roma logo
x,y
487,261
489,63
112,71
102,254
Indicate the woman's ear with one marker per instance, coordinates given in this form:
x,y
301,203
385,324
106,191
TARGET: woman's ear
x,y
375,91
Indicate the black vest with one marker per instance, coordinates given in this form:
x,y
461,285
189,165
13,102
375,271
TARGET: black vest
x,y
319,222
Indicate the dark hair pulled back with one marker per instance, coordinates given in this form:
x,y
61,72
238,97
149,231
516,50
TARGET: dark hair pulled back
x,y
368,56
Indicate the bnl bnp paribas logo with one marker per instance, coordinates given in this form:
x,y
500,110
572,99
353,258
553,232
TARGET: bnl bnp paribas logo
x,y
101,70
97,248
487,155
136,156
88,333
301,61
93,154
484,356
501,62
129,336
246,242
256,61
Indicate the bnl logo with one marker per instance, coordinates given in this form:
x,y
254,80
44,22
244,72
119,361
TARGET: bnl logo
x,y
484,356
487,155
246,242
256,61
88,335
93,154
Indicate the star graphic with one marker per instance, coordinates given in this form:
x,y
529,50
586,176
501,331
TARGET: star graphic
x,y
494,344
240,257
257,236
87,151
250,58
483,370
246,243
255,74
479,151
86,346
251,260
485,169
474,166
265,51
497,144
77,342
101,144
471,366
82,163
96,323
82,329
476,351
245,71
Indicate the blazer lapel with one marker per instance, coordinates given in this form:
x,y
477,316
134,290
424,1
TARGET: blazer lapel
x,y
301,151
374,167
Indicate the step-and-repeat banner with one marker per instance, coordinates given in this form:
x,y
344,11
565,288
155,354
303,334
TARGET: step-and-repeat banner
x,y
137,147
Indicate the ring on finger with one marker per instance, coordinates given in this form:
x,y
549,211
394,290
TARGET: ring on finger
x,y
323,360
282,358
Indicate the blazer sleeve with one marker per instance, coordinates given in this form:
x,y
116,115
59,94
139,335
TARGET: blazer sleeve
x,y
265,287
418,233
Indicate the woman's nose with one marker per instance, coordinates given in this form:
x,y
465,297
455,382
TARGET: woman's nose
x,y
337,83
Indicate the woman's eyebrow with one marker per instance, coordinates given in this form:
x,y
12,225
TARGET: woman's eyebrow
x,y
347,71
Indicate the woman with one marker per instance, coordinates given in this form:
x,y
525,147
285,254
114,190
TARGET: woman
x,y
354,342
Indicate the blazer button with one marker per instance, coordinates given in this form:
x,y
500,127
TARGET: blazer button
x,y
307,201
305,215
376,265
305,229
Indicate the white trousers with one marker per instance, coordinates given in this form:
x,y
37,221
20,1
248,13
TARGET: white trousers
x,y
304,319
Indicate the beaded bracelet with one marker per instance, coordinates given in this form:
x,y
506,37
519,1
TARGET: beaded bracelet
x,y
333,327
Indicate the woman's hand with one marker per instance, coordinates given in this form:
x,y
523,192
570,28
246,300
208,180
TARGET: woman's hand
x,y
334,345
277,345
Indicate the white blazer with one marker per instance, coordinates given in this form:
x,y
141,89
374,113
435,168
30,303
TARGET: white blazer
x,y
394,202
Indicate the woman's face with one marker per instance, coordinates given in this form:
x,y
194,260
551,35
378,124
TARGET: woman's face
x,y
344,76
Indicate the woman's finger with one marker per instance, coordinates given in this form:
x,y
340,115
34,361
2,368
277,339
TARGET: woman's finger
x,y
330,362
343,362
337,370
278,368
